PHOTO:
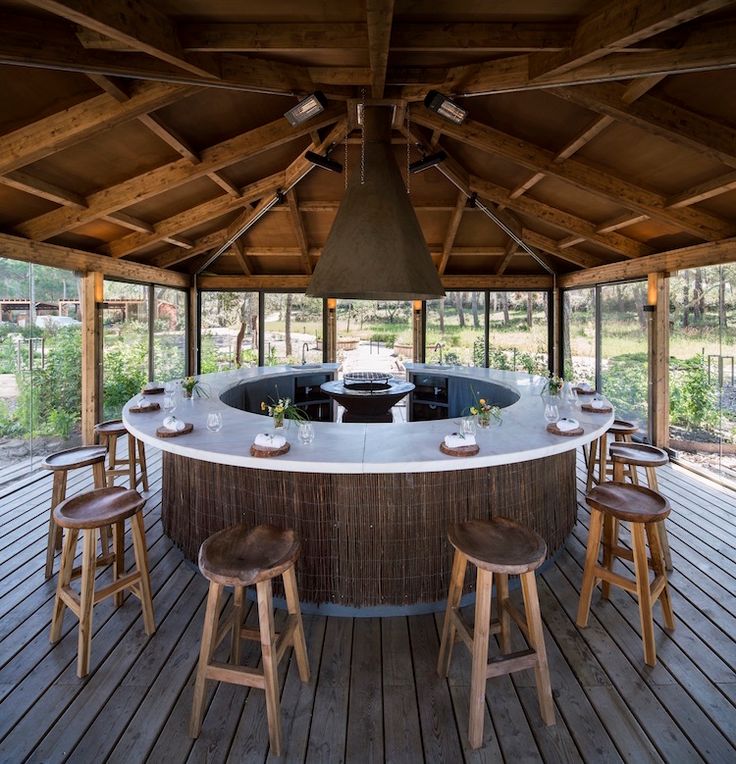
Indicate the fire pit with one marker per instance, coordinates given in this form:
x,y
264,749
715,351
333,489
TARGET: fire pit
x,y
367,396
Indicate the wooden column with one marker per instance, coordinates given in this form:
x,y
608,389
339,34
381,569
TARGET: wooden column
x,y
193,329
658,296
556,332
416,330
92,296
331,330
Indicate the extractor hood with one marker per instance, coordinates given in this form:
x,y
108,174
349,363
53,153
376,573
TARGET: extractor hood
x,y
376,249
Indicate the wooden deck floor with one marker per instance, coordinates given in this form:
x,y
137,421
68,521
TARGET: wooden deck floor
x,y
374,694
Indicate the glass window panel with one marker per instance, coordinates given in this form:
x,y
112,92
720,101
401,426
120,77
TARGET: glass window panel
x,y
579,335
169,334
124,344
455,331
702,374
374,335
624,350
518,331
229,330
293,329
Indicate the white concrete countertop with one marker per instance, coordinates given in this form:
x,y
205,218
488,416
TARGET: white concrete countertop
x,y
366,448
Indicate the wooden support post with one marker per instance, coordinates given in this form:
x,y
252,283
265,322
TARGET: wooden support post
x,y
193,330
331,331
91,296
658,297
417,333
556,333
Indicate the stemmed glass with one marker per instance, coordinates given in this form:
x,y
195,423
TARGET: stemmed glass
x,y
551,412
169,403
170,387
214,421
305,433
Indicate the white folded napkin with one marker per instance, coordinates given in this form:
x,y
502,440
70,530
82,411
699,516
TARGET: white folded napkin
x,y
151,385
456,440
567,424
264,440
144,404
584,386
173,424
597,403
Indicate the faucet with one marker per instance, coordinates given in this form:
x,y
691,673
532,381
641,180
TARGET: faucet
x,y
305,347
437,347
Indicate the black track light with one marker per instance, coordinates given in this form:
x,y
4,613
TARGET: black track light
x,y
307,108
324,162
442,105
432,160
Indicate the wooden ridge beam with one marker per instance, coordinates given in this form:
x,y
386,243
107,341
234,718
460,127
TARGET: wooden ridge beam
x,y
77,123
653,115
299,232
137,24
580,174
379,16
173,174
452,228
43,253
700,255
559,218
618,24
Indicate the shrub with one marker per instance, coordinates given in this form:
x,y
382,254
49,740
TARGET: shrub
x,y
693,399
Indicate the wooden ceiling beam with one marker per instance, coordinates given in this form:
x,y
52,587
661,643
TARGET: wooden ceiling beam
x,y
452,228
379,16
110,87
137,24
579,174
300,233
700,255
510,250
653,115
570,254
173,174
703,191
620,221
617,24
43,253
128,221
238,251
29,184
77,123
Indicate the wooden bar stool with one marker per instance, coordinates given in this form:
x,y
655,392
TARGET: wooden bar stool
x,y
621,431
644,510
60,464
632,456
88,513
109,432
241,557
500,547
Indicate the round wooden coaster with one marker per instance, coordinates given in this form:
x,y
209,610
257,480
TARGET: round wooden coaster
x,y
152,390
588,407
144,409
460,451
164,432
580,391
267,452
552,427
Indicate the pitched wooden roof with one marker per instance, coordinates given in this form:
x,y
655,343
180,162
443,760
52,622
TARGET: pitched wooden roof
x,y
152,132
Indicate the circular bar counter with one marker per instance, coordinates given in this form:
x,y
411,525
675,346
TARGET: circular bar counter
x,y
371,502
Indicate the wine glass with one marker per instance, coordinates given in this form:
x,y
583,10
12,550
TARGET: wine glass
x,y
214,421
169,387
551,412
305,433
469,425
169,403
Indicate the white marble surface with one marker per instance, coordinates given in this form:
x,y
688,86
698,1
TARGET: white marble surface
x,y
356,448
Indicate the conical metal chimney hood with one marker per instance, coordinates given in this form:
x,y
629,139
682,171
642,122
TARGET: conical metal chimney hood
x,y
376,249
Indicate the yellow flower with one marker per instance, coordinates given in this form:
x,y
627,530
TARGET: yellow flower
x,y
482,401
263,405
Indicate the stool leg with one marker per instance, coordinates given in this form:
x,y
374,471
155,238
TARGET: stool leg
x,y
112,452
237,625
132,462
536,638
141,562
86,601
270,664
610,538
504,619
664,542
56,489
292,603
142,463
481,633
118,548
105,541
591,558
643,592
602,457
655,550
206,649
65,577
98,474
591,465
457,577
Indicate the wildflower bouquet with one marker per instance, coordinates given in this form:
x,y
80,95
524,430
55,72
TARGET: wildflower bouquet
x,y
282,409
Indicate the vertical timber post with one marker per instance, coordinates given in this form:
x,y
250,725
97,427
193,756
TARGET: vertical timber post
x,y
330,351
417,325
193,329
556,332
658,297
92,297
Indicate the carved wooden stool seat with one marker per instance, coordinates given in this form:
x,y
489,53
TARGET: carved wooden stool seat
x,y
61,463
89,513
644,509
621,432
633,455
241,556
134,467
497,547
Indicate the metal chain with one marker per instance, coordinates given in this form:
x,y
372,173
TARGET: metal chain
x,y
408,149
362,141
345,143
